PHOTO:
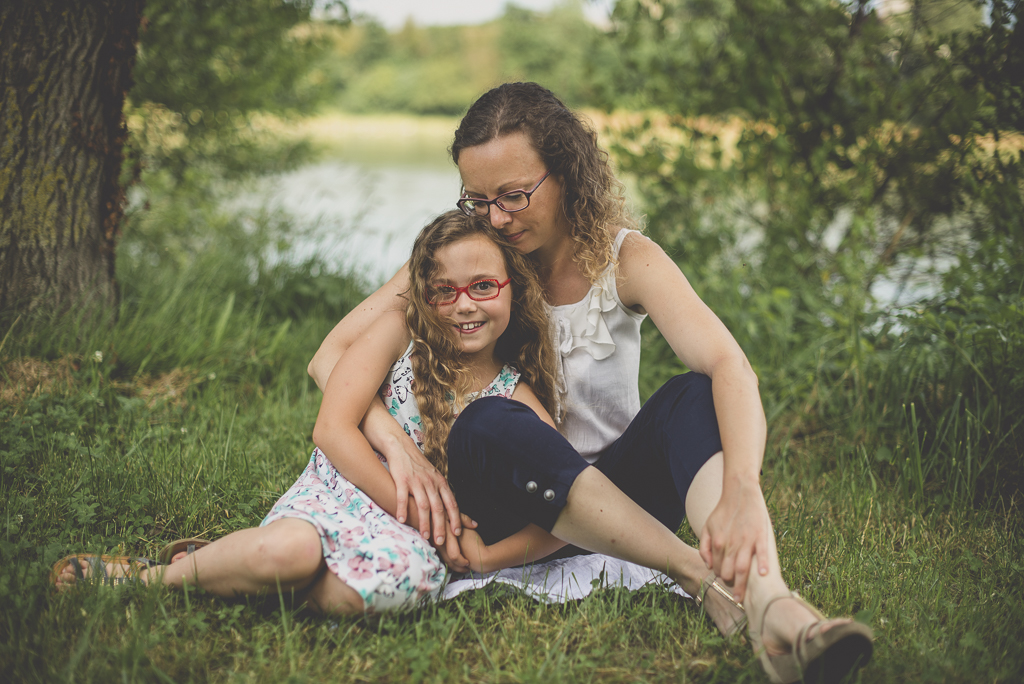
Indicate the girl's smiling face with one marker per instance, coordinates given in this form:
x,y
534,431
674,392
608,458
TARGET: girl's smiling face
x,y
477,325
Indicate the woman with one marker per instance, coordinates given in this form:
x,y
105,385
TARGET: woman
x,y
535,170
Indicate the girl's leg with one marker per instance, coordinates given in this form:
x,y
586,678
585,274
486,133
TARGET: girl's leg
x,y
286,554
330,596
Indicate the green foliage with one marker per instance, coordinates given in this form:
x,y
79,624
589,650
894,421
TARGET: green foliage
x,y
203,68
806,161
559,50
442,69
217,292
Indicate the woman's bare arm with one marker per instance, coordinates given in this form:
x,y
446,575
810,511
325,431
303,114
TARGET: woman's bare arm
x,y
412,473
353,385
738,528
390,297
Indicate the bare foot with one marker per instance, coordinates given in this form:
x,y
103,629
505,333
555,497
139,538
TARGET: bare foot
x,y
727,615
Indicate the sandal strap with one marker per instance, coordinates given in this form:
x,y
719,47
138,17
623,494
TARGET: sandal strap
x,y
773,599
711,582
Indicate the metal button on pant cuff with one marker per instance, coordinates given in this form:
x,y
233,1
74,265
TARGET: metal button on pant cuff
x,y
549,495
531,487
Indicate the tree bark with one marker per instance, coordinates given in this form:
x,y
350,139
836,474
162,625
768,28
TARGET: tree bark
x,y
65,67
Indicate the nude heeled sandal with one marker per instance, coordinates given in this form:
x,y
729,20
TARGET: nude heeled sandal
x,y
711,582
828,657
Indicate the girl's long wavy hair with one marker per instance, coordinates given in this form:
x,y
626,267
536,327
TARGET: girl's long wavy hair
x,y
593,201
442,379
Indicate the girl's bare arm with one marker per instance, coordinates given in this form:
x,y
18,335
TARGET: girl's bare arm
x,y
526,546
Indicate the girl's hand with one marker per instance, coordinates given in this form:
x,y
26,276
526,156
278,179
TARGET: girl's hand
x,y
474,549
735,532
413,475
452,550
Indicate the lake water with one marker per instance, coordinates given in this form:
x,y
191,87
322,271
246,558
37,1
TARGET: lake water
x,y
361,206
358,217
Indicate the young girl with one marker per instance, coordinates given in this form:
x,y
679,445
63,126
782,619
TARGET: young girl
x,y
474,326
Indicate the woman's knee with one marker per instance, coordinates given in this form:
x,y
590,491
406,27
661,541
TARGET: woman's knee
x,y
693,385
486,426
481,417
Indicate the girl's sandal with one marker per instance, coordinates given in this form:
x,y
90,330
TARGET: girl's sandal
x,y
827,657
98,568
189,545
738,616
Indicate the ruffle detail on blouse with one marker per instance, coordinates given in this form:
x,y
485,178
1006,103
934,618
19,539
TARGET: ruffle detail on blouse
x,y
584,326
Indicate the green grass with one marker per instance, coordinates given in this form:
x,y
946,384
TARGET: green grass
x,y
942,590
200,414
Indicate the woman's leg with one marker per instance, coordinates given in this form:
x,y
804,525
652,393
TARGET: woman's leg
x,y
782,624
508,469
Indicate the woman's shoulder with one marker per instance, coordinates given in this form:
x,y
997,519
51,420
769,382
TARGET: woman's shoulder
x,y
635,245
639,257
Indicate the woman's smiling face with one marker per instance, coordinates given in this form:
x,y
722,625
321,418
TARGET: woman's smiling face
x,y
511,163
477,325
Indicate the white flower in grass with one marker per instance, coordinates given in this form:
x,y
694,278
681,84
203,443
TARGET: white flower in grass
x,y
184,430
98,356
211,376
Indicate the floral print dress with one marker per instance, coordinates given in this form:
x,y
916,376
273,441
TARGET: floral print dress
x,y
387,562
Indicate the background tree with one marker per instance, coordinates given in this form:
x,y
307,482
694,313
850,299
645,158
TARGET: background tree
x,y
65,69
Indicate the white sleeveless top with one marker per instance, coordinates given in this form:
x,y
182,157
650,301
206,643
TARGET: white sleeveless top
x,y
598,343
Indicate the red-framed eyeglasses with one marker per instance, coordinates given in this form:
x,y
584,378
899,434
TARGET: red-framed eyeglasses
x,y
478,291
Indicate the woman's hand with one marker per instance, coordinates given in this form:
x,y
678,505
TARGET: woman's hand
x,y
735,532
413,475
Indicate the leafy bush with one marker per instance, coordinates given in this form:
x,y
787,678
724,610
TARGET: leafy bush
x,y
798,157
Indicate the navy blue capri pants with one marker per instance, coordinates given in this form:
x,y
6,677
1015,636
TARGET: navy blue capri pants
x,y
508,468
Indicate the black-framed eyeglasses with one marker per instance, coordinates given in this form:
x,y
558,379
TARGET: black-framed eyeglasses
x,y
478,291
513,200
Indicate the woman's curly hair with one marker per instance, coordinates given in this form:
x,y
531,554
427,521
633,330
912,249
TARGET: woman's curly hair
x,y
442,380
593,199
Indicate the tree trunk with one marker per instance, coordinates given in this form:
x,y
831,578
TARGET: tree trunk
x,y
65,67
